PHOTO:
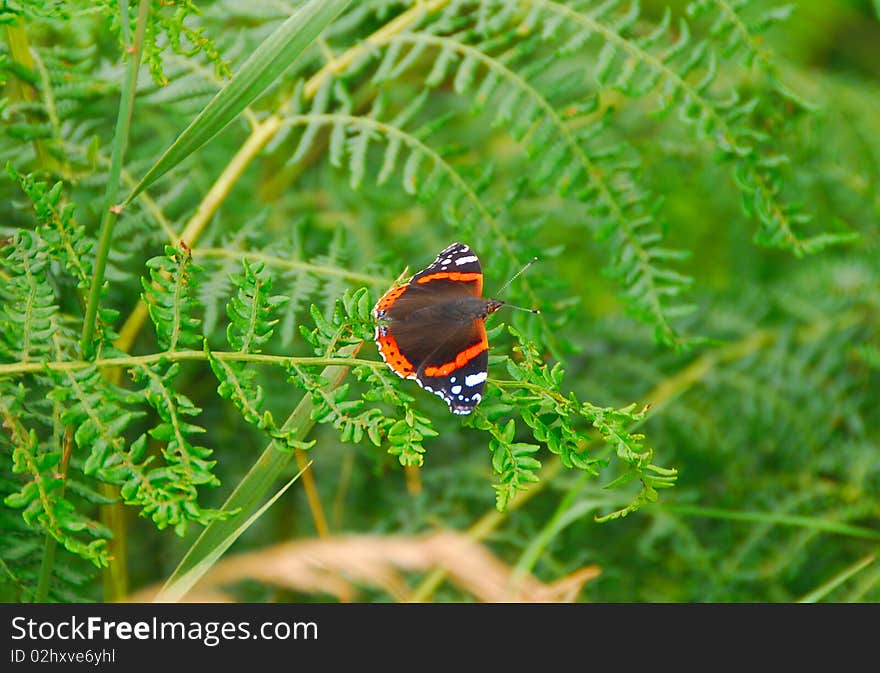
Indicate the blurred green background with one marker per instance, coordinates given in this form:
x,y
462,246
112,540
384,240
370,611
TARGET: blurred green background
x,y
769,411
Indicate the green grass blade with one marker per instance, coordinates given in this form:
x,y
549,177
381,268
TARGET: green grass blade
x,y
813,523
826,588
177,588
269,60
866,583
259,479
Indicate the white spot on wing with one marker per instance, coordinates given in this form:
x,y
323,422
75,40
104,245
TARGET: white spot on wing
x,y
475,379
465,260
455,390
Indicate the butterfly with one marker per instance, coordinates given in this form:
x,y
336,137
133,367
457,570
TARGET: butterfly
x,y
433,328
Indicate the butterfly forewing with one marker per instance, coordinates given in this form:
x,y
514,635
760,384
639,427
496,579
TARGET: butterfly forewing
x,y
455,264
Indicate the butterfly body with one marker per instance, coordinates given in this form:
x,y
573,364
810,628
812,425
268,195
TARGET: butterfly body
x,y
432,329
454,311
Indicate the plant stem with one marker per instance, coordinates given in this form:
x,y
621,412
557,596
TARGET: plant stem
x,y
44,580
305,267
120,141
810,522
397,25
826,588
20,90
311,488
46,565
178,356
115,577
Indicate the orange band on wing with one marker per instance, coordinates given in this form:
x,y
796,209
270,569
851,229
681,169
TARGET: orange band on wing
x,y
460,360
451,275
387,301
390,352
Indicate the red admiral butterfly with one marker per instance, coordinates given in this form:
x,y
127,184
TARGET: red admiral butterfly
x,y
433,328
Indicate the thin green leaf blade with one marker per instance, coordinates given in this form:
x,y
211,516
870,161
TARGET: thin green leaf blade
x,y
256,75
178,587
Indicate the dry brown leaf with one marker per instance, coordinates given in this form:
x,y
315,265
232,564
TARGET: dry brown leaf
x,y
339,565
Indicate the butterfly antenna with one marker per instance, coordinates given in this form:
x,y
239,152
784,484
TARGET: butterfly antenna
x,y
513,278
516,275
536,311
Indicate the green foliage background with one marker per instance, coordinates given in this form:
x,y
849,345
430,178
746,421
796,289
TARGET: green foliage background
x,y
699,180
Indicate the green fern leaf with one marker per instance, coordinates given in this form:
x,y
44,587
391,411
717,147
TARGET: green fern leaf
x,y
170,298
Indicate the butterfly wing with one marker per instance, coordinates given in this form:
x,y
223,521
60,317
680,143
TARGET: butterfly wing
x,y
456,264
457,369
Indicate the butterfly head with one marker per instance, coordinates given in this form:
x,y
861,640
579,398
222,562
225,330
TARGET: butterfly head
x,y
493,305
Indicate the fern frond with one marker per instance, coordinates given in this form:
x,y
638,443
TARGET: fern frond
x,y
101,412
738,24
513,462
253,309
253,315
407,428
167,29
351,323
66,243
13,12
95,409
41,498
65,239
421,160
635,65
406,436
533,391
238,385
170,298
29,312
348,324
348,416
187,465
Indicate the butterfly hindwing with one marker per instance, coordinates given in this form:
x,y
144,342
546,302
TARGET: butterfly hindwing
x,y
457,370
391,353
